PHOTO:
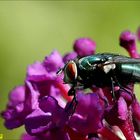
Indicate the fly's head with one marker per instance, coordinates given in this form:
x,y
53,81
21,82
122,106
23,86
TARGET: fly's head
x,y
70,75
70,72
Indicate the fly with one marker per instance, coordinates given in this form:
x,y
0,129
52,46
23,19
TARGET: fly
x,y
101,70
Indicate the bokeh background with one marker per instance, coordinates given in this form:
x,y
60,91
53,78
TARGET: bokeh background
x,y
29,30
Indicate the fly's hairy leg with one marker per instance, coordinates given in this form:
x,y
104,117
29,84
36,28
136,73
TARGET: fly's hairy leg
x,y
123,88
73,104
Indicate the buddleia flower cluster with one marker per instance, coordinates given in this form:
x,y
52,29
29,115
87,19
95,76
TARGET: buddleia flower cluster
x,y
43,106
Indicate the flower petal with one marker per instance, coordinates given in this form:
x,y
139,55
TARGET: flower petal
x,y
15,111
84,47
53,62
69,56
88,116
38,122
128,41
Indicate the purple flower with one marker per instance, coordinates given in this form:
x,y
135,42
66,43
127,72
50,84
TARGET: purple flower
x,y
136,109
42,76
49,120
136,115
84,47
15,112
53,62
89,114
51,116
22,101
42,104
69,56
128,41
49,136
28,137
117,113
128,95
39,82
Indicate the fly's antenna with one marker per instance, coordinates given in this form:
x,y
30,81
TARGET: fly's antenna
x,y
59,72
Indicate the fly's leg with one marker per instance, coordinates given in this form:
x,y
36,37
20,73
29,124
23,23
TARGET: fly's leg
x,y
123,88
92,135
76,102
71,92
112,87
73,104
127,91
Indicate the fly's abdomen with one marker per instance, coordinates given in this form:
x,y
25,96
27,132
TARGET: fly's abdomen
x,y
136,73
129,73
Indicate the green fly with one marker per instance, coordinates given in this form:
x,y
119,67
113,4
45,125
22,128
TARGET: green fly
x,y
101,70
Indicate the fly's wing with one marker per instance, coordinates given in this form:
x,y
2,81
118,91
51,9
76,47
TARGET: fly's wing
x,y
122,60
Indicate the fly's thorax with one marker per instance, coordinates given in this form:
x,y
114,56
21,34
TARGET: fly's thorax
x,y
96,73
107,67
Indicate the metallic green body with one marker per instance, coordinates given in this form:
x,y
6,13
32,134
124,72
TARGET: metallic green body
x,y
126,69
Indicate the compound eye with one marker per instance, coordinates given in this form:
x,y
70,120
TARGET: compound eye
x,y
70,72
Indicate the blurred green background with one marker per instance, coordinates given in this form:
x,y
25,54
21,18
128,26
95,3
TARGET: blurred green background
x,y
29,30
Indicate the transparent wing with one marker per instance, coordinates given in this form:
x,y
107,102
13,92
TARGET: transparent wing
x,y
122,60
